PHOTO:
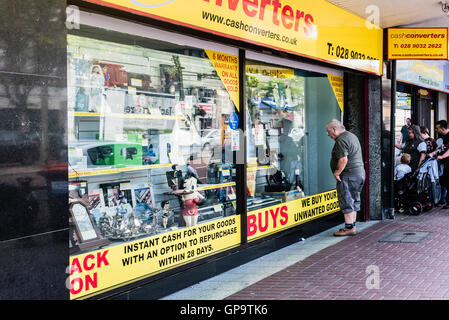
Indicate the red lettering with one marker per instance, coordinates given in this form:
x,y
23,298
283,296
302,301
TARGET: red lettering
x,y
75,267
78,281
251,227
308,30
276,6
77,285
86,267
284,215
287,16
91,282
299,15
101,258
263,4
274,216
252,3
232,4
290,17
265,227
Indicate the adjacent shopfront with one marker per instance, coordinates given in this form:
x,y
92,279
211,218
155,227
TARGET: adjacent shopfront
x,y
422,89
415,92
190,137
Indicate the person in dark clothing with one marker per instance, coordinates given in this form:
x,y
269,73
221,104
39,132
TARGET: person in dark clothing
x,y
427,146
404,131
411,146
443,132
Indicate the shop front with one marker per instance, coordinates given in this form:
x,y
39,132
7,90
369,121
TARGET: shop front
x,y
191,138
415,92
422,92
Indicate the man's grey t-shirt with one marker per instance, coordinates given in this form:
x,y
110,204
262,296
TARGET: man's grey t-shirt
x,y
347,145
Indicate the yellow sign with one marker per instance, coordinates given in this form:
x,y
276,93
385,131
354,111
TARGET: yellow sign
x,y
269,71
314,29
266,221
336,83
422,44
97,271
227,68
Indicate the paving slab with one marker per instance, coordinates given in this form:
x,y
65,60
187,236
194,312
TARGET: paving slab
x,y
241,277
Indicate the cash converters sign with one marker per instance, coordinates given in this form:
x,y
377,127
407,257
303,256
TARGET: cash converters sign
x,y
266,221
314,29
95,272
421,44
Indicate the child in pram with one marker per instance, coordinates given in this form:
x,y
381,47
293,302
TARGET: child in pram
x,y
419,190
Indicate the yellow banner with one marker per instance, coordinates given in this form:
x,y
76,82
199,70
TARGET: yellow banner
x,y
266,221
315,29
97,271
336,83
418,43
227,67
269,71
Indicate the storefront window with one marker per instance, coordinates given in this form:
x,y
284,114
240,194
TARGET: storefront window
x,y
149,149
288,149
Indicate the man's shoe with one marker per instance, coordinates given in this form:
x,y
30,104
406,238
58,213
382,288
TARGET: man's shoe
x,y
446,206
346,232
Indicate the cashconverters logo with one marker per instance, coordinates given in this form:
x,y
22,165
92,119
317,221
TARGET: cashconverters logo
x,y
151,3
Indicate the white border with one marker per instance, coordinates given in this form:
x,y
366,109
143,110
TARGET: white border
x,y
125,26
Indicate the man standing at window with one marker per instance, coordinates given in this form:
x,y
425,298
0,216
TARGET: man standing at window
x,y
347,166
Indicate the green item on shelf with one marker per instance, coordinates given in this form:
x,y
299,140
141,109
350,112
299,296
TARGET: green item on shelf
x,y
116,154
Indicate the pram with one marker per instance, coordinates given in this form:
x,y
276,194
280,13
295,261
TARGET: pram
x,y
418,191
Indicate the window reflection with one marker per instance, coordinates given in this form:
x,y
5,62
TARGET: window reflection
x,y
148,136
284,105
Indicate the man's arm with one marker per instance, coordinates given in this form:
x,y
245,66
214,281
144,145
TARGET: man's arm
x,y
341,164
444,155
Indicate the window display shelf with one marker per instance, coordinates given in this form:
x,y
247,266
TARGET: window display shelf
x,y
127,116
215,186
97,172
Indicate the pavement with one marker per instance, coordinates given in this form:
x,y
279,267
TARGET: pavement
x,y
406,258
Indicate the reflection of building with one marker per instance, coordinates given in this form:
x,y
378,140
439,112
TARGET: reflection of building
x,y
167,93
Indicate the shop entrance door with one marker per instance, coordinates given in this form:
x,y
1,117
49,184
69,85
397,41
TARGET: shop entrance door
x,y
424,107
403,112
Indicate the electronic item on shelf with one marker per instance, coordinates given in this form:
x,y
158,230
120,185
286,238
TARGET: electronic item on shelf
x,y
114,154
277,182
257,203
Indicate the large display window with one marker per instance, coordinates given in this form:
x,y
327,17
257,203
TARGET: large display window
x,y
288,175
151,164
155,143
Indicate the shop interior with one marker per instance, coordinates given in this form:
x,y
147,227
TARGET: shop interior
x,y
149,137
